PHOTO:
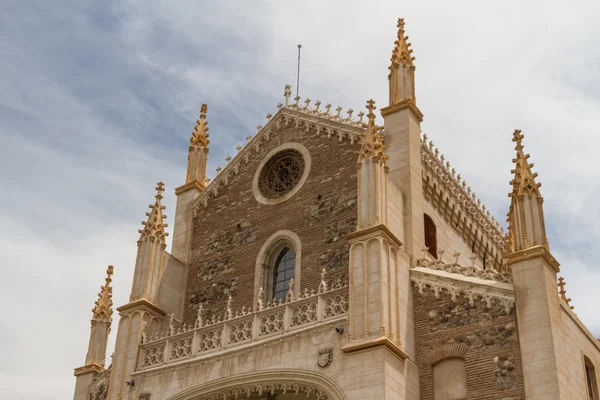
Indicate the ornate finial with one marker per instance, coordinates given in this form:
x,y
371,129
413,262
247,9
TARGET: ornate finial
x,y
297,99
323,284
219,169
259,127
287,93
425,251
563,292
154,228
249,137
338,110
327,107
103,308
291,296
261,301
528,229
172,324
473,258
229,313
228,159
199,320
360,116
269,116
372,140
349,112
317,105
200,135
306,104
456,255
402,53
239,148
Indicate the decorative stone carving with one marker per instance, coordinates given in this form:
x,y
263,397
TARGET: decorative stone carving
x,y
460,313
99,386
214,268
437,285
495,336
281,173
216,293
504,371
335,258
266,389
456,268
145,396
240,235
329,205
325,357
339,229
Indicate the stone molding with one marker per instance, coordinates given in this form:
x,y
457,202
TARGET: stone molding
x,y
475,289
446,351
470,271
534,252
458,204
265,382
316,121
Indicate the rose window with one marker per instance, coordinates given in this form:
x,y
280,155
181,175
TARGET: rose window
x,y
281,173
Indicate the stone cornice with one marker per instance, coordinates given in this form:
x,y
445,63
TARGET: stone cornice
x,y
374,231
320,123
475,289
374,342
142,304
189,186
86,369
534,252
405,104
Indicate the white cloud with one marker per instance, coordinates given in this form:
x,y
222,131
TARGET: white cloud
x,y
97,104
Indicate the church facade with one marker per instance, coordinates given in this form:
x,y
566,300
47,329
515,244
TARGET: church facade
x,y
336,259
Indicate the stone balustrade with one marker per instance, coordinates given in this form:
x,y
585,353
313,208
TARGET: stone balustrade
x,y
198,340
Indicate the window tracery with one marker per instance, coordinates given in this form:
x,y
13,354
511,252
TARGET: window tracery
x,y
281,173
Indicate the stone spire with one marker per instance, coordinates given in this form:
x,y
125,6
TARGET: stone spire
x,y
198,153
154,228
103,309
151,255
372,140
526,226
402,70
100,329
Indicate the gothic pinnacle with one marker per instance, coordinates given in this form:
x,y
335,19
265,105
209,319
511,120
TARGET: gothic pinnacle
x,y
200,135
154,228
103,306
402,53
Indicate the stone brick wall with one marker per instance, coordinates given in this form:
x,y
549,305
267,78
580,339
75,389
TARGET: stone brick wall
x,y
229,232
487,338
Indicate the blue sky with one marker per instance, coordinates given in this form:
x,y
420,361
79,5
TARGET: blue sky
x,y
98,100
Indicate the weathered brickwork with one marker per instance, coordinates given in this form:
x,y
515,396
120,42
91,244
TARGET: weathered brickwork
x,y
489,336
230,231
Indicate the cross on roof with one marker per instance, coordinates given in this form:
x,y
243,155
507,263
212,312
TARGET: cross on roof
x,y
160,187
401,23
371,106
203,110
517,137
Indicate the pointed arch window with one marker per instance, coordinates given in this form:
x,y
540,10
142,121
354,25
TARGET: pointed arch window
x,y
430,235
590,379
283,272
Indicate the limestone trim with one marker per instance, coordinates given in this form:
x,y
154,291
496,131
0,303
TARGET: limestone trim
x,y
267,256
475,289
189,186
534,252
265,382
370,343
465,271
454,200
312,121
447,351
403,105
86,369
307,164
142,304
374,231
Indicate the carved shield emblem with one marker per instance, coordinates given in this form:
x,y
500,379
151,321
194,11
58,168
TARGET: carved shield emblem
x,y
325,357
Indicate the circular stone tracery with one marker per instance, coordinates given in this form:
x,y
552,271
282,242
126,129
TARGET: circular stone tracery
x,y
281,173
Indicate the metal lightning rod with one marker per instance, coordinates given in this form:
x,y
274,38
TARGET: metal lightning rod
x,y
298,77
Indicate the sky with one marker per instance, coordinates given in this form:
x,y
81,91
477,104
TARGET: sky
x,y
98,100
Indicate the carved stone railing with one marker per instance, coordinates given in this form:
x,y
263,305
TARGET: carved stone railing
x,y
244,328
